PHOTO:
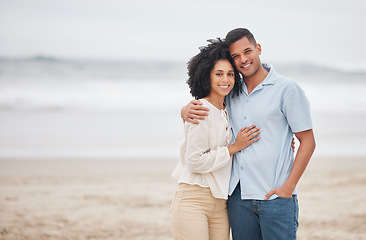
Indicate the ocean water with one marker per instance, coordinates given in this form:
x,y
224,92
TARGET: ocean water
x,y
62,108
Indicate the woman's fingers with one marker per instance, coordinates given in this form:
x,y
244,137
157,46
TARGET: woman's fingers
x,y
254,139
254,133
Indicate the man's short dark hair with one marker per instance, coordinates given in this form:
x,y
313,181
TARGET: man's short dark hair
x,y
237,34
201,65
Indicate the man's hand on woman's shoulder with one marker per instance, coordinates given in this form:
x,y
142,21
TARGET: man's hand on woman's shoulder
x,y
194,110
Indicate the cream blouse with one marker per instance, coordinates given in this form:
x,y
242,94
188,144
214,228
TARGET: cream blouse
x,y
204,156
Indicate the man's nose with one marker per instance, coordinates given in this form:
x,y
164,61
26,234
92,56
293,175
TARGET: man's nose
x,y
243,58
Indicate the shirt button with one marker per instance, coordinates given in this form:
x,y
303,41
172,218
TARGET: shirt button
x,y
245,117
241,168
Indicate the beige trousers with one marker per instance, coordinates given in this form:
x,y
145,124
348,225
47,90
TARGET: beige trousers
x,y
196,215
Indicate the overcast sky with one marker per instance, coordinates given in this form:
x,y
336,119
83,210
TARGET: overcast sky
x,y
327,32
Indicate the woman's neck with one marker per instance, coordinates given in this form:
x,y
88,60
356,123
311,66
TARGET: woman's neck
x,y
218,102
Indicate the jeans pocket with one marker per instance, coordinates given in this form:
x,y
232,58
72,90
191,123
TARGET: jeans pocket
x,y
285,198
293,197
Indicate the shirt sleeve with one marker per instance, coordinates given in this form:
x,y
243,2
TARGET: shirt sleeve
x,y
296,108
200,157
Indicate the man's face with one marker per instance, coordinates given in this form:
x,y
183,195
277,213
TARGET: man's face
x,y
246,56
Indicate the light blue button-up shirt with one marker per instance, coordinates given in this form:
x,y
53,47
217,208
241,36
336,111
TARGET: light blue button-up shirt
x,y
279,107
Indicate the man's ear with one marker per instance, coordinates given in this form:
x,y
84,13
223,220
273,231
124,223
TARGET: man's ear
x,y
259,49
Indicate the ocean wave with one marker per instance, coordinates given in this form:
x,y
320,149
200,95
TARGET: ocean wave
x,y
109,69
45,67
96,96
43,83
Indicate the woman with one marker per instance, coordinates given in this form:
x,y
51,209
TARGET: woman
x,y
199,208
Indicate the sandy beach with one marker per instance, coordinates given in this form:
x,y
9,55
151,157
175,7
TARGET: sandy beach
x,y
130,199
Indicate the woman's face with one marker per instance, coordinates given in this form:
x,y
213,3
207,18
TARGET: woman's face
x,y
222,78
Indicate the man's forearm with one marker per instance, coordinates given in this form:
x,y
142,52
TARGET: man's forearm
x,y
304,153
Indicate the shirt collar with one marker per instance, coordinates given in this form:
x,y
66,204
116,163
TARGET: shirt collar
x,y
270,79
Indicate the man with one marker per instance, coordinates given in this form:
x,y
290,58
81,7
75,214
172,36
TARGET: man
x,y
262,200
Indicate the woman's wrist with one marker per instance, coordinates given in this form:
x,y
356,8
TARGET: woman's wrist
x,y
232,149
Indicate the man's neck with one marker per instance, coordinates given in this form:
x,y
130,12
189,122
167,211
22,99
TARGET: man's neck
x,y
253,81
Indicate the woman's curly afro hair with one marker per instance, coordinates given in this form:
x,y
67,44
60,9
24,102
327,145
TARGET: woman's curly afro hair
x,y
201,65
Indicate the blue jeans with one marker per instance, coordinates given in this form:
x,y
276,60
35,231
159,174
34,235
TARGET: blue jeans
x,y
262,219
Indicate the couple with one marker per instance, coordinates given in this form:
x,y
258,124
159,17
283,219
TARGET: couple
x,y
237,168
